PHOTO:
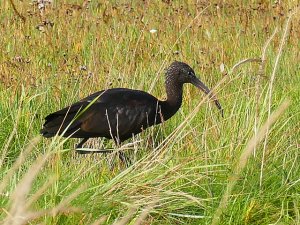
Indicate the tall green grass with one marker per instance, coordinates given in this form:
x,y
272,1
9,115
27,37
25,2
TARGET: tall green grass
x,y
197,168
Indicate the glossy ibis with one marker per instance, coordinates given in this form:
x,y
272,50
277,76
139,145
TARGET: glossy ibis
x,y
119,113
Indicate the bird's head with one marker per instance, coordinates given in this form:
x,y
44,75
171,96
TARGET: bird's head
x,y
181,73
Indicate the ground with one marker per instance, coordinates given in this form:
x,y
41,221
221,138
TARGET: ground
x,y
196,168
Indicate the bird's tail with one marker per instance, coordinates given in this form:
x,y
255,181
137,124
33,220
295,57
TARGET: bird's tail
x,y
58,124
61,122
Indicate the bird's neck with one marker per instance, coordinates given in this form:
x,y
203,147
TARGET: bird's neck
x,y
174,99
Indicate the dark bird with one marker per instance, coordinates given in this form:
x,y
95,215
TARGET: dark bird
x,y
120,113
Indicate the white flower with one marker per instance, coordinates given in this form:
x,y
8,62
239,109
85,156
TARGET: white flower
x,y
222,68
152,31
83,67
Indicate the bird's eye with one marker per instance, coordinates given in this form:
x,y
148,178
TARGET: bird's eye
x,y
191,73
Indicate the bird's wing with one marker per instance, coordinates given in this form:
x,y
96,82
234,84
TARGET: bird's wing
x,y
64,121
114,112
77,106
121,113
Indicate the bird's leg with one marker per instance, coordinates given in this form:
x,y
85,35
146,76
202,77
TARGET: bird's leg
x,y
80,146
122,156
81,143
89,151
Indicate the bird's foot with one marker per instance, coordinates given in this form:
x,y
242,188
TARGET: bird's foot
x,y
122,156
92,151
124,159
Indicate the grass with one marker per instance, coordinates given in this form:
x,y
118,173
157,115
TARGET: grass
x,y
197,168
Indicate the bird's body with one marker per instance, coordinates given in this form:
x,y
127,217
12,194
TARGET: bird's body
x,y
117,113
120,113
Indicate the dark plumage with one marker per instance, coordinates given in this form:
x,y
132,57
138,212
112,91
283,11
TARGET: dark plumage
x,y
119,113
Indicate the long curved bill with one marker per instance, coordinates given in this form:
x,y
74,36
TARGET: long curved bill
x,y
206,90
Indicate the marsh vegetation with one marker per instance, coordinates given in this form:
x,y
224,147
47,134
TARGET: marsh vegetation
x,y
197,168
